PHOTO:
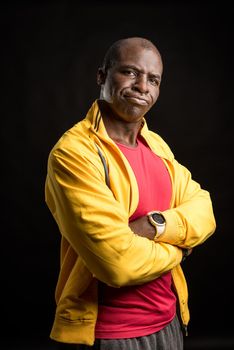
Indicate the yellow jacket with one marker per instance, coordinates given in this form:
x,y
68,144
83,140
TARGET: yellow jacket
x,y
97,243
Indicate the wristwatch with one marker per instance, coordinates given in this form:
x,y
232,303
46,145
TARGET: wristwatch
x,y
157,220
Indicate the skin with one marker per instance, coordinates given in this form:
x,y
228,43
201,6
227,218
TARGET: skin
x,y
129,89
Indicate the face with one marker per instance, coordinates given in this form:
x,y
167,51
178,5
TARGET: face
x,y
131,85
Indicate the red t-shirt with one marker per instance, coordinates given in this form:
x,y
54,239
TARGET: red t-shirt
x,y
136,311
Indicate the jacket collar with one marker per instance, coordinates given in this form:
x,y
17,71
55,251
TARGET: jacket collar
x,y
98,129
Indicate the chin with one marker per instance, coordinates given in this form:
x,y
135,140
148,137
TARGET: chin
x,y
136,112
129,112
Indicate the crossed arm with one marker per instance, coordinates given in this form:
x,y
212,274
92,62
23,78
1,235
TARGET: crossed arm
x,y
100,233
143,228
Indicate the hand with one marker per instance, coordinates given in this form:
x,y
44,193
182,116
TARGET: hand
x,y
142,227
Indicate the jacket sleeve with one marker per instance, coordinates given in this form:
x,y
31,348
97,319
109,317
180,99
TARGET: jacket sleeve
x,y
191,220
96,225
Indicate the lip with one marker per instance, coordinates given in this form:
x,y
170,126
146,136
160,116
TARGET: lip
x,y
136,100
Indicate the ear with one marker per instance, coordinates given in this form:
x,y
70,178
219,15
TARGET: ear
x,y
101,76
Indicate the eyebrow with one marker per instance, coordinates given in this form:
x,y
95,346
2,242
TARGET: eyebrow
x,y
155,75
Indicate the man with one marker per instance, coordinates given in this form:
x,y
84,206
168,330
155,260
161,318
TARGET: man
x,y
128,213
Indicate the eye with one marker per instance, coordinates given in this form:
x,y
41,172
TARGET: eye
x,y
154,81
129,72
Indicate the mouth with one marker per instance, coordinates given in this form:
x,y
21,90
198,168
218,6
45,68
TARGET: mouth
x,y
136,100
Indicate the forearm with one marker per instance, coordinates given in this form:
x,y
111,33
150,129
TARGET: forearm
x,y
143,228
187,226
190,219
189,222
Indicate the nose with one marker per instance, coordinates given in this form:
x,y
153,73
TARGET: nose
x,y
141,84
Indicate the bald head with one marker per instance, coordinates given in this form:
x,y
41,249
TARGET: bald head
x,y
113,53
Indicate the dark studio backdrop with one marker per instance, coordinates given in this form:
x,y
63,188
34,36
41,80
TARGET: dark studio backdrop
x,y
50,54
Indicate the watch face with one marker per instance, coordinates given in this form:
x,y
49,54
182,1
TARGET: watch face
x,y
158,218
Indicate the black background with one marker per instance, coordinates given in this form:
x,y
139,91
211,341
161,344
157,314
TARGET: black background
x,y
50,54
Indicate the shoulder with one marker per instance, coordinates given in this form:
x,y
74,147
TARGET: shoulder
x,y
75,146
75,139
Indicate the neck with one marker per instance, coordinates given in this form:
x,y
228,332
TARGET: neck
x,y
125,133
119,130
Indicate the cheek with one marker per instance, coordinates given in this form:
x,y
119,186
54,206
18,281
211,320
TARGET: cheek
x,y
120,83
111,88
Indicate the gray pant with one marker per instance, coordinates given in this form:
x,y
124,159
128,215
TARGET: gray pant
x,y
169,338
